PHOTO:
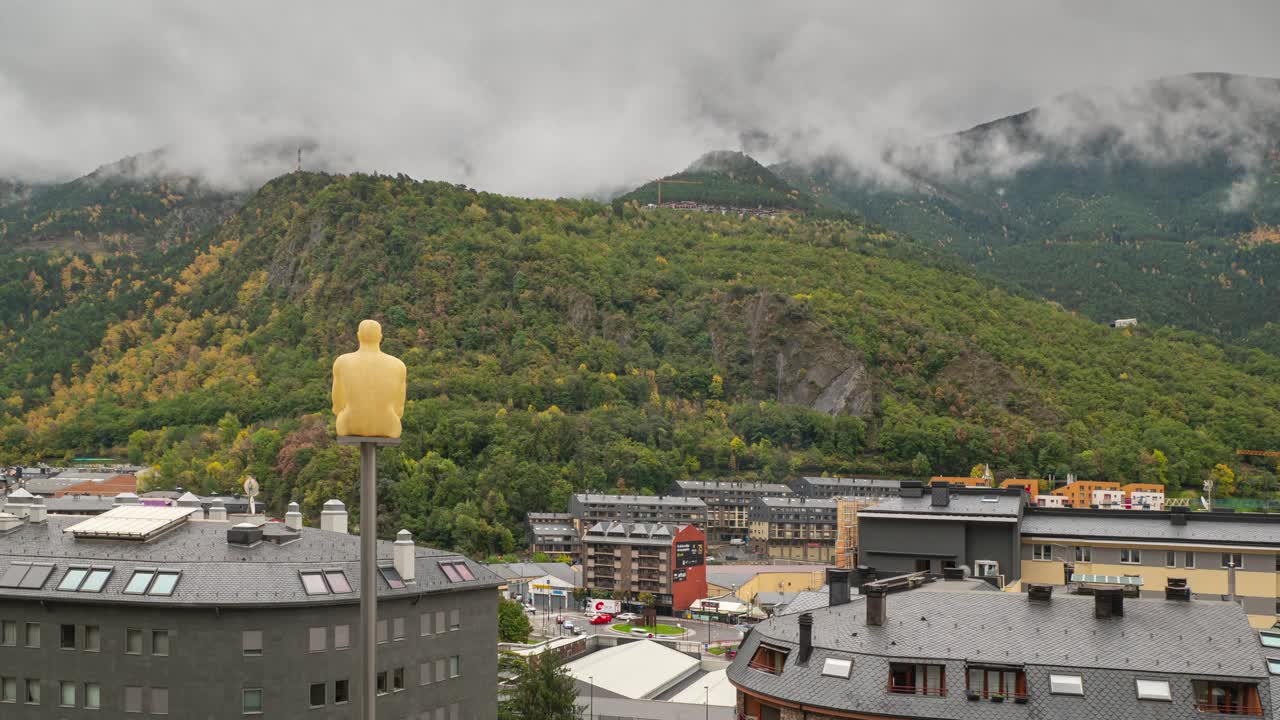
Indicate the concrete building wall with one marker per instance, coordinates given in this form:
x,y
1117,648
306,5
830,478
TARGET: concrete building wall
x,y
206,670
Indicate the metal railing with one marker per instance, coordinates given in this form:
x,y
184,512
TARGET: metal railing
x,y
1233,709
914,690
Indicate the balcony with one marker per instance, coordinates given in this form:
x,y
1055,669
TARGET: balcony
x,y
1226,709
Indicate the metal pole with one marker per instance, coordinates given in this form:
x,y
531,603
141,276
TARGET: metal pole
x,y
706,703
592,679
368,574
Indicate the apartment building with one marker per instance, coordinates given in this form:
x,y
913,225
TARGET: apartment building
x,y
728,503
1220,555
589,509
667,560
160,611
935,653
554,534
829,487
794,528
1106,494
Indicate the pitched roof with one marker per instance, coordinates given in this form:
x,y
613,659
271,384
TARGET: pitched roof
x,y
741,485
668,500
1153,639
980,504
1201,528
213,571
640,669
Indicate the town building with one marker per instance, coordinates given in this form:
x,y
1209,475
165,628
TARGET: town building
x,y
932,529
749,581
1218,554
667,560
588,509
545,586
147,610
1040,654
109,487
830,487
1107,494
728,503
794,528
555,535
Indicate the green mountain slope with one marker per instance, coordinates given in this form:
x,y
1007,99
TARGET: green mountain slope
x,y
1100,224
558,346
725,178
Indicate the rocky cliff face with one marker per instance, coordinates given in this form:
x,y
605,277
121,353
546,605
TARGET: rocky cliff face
x,y
791,358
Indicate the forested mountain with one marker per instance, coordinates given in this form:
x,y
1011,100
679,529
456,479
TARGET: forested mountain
x,y
725,178
78,256
1160,202
569,345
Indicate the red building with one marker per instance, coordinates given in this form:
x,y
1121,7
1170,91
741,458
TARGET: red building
x,y
667,560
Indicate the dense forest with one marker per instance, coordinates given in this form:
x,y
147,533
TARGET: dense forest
x,y
728,179
560,346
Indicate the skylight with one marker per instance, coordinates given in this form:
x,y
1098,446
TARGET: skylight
x,y
26,576
392,576
837,668
1153,690
85,579
1273,666
324,582
457,571
1269,639
152,582
1066,685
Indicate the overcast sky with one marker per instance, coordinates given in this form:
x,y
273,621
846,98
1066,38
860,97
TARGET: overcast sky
x,y
550,99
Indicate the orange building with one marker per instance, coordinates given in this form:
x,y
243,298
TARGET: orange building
x,y
1080,492
1028,485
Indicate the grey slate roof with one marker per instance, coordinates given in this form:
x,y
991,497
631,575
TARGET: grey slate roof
x,y
621,533
515,571
662,500
985,504
51,485
213,572
741,485
546,530
797,502
1202,528
1157,639
74,504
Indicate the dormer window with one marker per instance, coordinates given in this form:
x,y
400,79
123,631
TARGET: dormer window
x,y
1227,698
769,659
994,682
917,679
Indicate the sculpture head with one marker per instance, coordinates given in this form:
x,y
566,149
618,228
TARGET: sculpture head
x,y
369,334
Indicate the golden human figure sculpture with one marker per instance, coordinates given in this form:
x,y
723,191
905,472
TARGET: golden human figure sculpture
x,y
368,388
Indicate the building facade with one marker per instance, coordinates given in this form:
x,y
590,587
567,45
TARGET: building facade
x,y
728,503
794,528
589,509
555,535
932,529
666,560
157,611
1220,555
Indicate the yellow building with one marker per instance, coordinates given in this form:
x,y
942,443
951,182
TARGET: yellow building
x,y
1212,551
747,581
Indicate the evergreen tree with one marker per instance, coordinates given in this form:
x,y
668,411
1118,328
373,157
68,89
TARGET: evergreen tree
x,y
513,623
538,688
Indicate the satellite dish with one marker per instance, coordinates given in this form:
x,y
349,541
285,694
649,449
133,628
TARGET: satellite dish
x,y
251,489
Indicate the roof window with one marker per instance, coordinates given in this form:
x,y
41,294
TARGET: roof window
x,y
1066,685
990,498
1154,690
26,576
837,668
1269,638
324,582
85,579
150,581
457,571
392,576
1273,665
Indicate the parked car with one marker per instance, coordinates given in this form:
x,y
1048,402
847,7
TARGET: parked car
x,y
602,619
627,617
577,630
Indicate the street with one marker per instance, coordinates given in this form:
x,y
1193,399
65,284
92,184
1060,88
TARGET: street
x,y
545,626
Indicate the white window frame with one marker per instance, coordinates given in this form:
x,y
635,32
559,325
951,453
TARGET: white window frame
x,y
1233,556
1134,556
1153,690
1041,552
1063,684
1084,553
986,568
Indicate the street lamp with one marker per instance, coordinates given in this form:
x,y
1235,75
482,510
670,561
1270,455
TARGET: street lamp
x,y
592,680
706,702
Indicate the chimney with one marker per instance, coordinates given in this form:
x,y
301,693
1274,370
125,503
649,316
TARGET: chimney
x,y
806,637
837,586
862,575
8,522
126,498
188,500
1178,515
875,604
1039,592
1177,589
38,510
244,535
293,518
402,555
941,495
1108,602
334,517
217,510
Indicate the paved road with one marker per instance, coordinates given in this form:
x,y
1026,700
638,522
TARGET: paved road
x,y
545,625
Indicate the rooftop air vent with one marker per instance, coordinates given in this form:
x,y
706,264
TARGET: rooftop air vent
x,y
244,535
1039,592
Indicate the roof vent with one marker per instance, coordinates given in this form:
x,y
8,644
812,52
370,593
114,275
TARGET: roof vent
x,y
837,587
1177,589
293,518
806,637
334,517
1178,515
940,496
218,510
911,489
9,522
953,573
189,500
244,535
126,498
875,595
1039,592
278,534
